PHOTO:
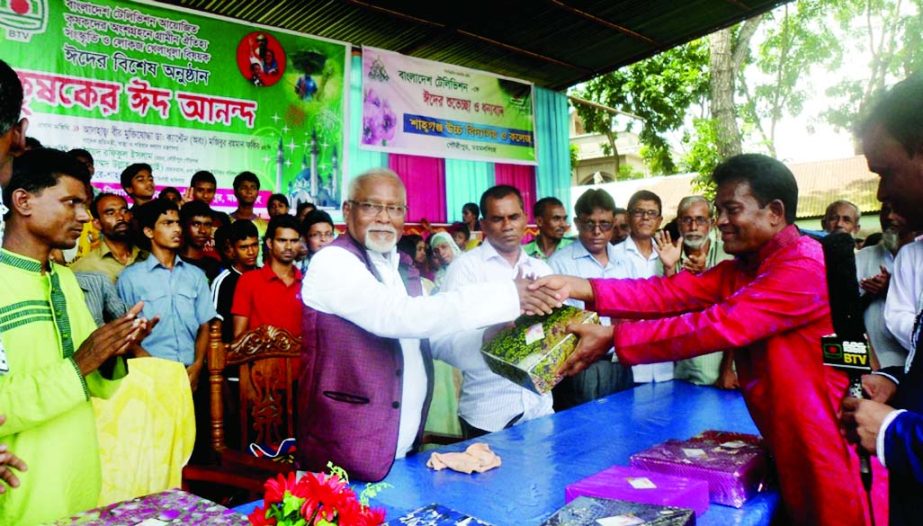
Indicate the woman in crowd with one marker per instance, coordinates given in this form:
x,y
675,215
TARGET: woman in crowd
x,y
444,250
470,213
414,246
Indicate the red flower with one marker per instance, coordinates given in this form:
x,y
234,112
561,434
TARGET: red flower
x,y
350,513
276,488
319,496
258,518
374,516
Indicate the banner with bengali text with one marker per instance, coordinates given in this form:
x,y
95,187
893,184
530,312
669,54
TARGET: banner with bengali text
x,y
420,107
182,91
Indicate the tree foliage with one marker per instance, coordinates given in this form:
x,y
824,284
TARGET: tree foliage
x,y
747,78
891,33
702,153
659,90
798,40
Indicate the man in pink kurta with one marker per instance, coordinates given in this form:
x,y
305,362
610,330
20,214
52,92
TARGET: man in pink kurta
x,y
771,304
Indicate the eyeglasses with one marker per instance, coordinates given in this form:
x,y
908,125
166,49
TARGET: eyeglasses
x,y
373,209
649,214
591,226
698,220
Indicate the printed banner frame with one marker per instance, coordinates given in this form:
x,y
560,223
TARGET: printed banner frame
x,y
421,107
184,90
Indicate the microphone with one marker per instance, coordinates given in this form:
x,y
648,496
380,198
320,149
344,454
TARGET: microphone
x,y
848,348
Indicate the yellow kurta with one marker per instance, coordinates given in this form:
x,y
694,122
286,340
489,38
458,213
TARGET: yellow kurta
x,y
50,422
146,430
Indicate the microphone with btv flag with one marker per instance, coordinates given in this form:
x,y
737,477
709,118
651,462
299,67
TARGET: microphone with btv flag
x,y
848,348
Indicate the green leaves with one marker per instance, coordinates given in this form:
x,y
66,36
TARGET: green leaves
x,y
371,491
660,90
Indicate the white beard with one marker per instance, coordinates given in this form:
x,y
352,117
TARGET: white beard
x,y
890,239
694,243
382,247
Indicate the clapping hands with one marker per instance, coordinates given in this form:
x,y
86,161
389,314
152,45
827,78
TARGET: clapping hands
x,y
877,285
113,339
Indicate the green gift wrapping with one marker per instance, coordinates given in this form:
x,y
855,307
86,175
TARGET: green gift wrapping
x,y
530,352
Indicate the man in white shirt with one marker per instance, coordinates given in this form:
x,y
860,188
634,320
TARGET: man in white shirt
x,y
904,293
874,266
490,402
366,378
636,257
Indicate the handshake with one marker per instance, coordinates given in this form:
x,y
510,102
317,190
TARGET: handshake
x,y
541,296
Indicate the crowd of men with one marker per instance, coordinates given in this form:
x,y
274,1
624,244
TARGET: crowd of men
x,y
731,294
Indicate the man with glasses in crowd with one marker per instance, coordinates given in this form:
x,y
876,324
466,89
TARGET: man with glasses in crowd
x,y
591,257
367,375
637,257
697,250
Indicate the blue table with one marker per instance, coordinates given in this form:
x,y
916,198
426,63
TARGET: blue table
x,y
542,456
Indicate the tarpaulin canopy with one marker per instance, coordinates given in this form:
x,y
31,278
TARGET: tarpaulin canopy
x,y
553,43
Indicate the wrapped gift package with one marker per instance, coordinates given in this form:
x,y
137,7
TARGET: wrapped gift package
x,y
167,507
589,511
638,485
735,465
436,515
531,352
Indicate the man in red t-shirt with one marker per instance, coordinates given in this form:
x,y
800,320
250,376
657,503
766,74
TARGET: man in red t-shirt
x,y
272,295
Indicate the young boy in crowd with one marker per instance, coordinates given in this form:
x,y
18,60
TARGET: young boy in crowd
x,y
138,182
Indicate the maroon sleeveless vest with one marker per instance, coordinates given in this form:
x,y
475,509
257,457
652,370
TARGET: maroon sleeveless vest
x,y
349,391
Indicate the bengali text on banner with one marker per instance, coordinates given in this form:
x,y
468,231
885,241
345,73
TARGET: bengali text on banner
x,y
420,107
182,91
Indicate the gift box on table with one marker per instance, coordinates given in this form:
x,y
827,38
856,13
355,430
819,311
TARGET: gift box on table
x,y
647,487
589,511
172,506
436,515
531,352
735,465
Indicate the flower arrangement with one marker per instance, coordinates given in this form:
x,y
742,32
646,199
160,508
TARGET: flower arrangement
x,y
378,120
317,499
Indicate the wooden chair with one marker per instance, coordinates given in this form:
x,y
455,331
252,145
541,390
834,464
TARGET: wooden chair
x,y
268,359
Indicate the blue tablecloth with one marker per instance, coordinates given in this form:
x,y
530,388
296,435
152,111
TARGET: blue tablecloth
x,y
542,456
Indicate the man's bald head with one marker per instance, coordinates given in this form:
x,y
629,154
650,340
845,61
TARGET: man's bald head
x,y
374,176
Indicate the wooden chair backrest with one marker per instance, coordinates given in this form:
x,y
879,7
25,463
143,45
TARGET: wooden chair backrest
x,y
268,359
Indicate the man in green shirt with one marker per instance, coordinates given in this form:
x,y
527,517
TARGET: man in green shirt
x,y
52,357
116,250
551,220
698,249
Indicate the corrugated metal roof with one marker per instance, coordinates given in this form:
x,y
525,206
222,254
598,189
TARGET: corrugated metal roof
x,y
819,184
554,43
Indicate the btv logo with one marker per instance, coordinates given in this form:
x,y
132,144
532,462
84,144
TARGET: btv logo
x,y
23,18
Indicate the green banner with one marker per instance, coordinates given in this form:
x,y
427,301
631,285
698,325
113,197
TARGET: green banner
x,y
182,91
